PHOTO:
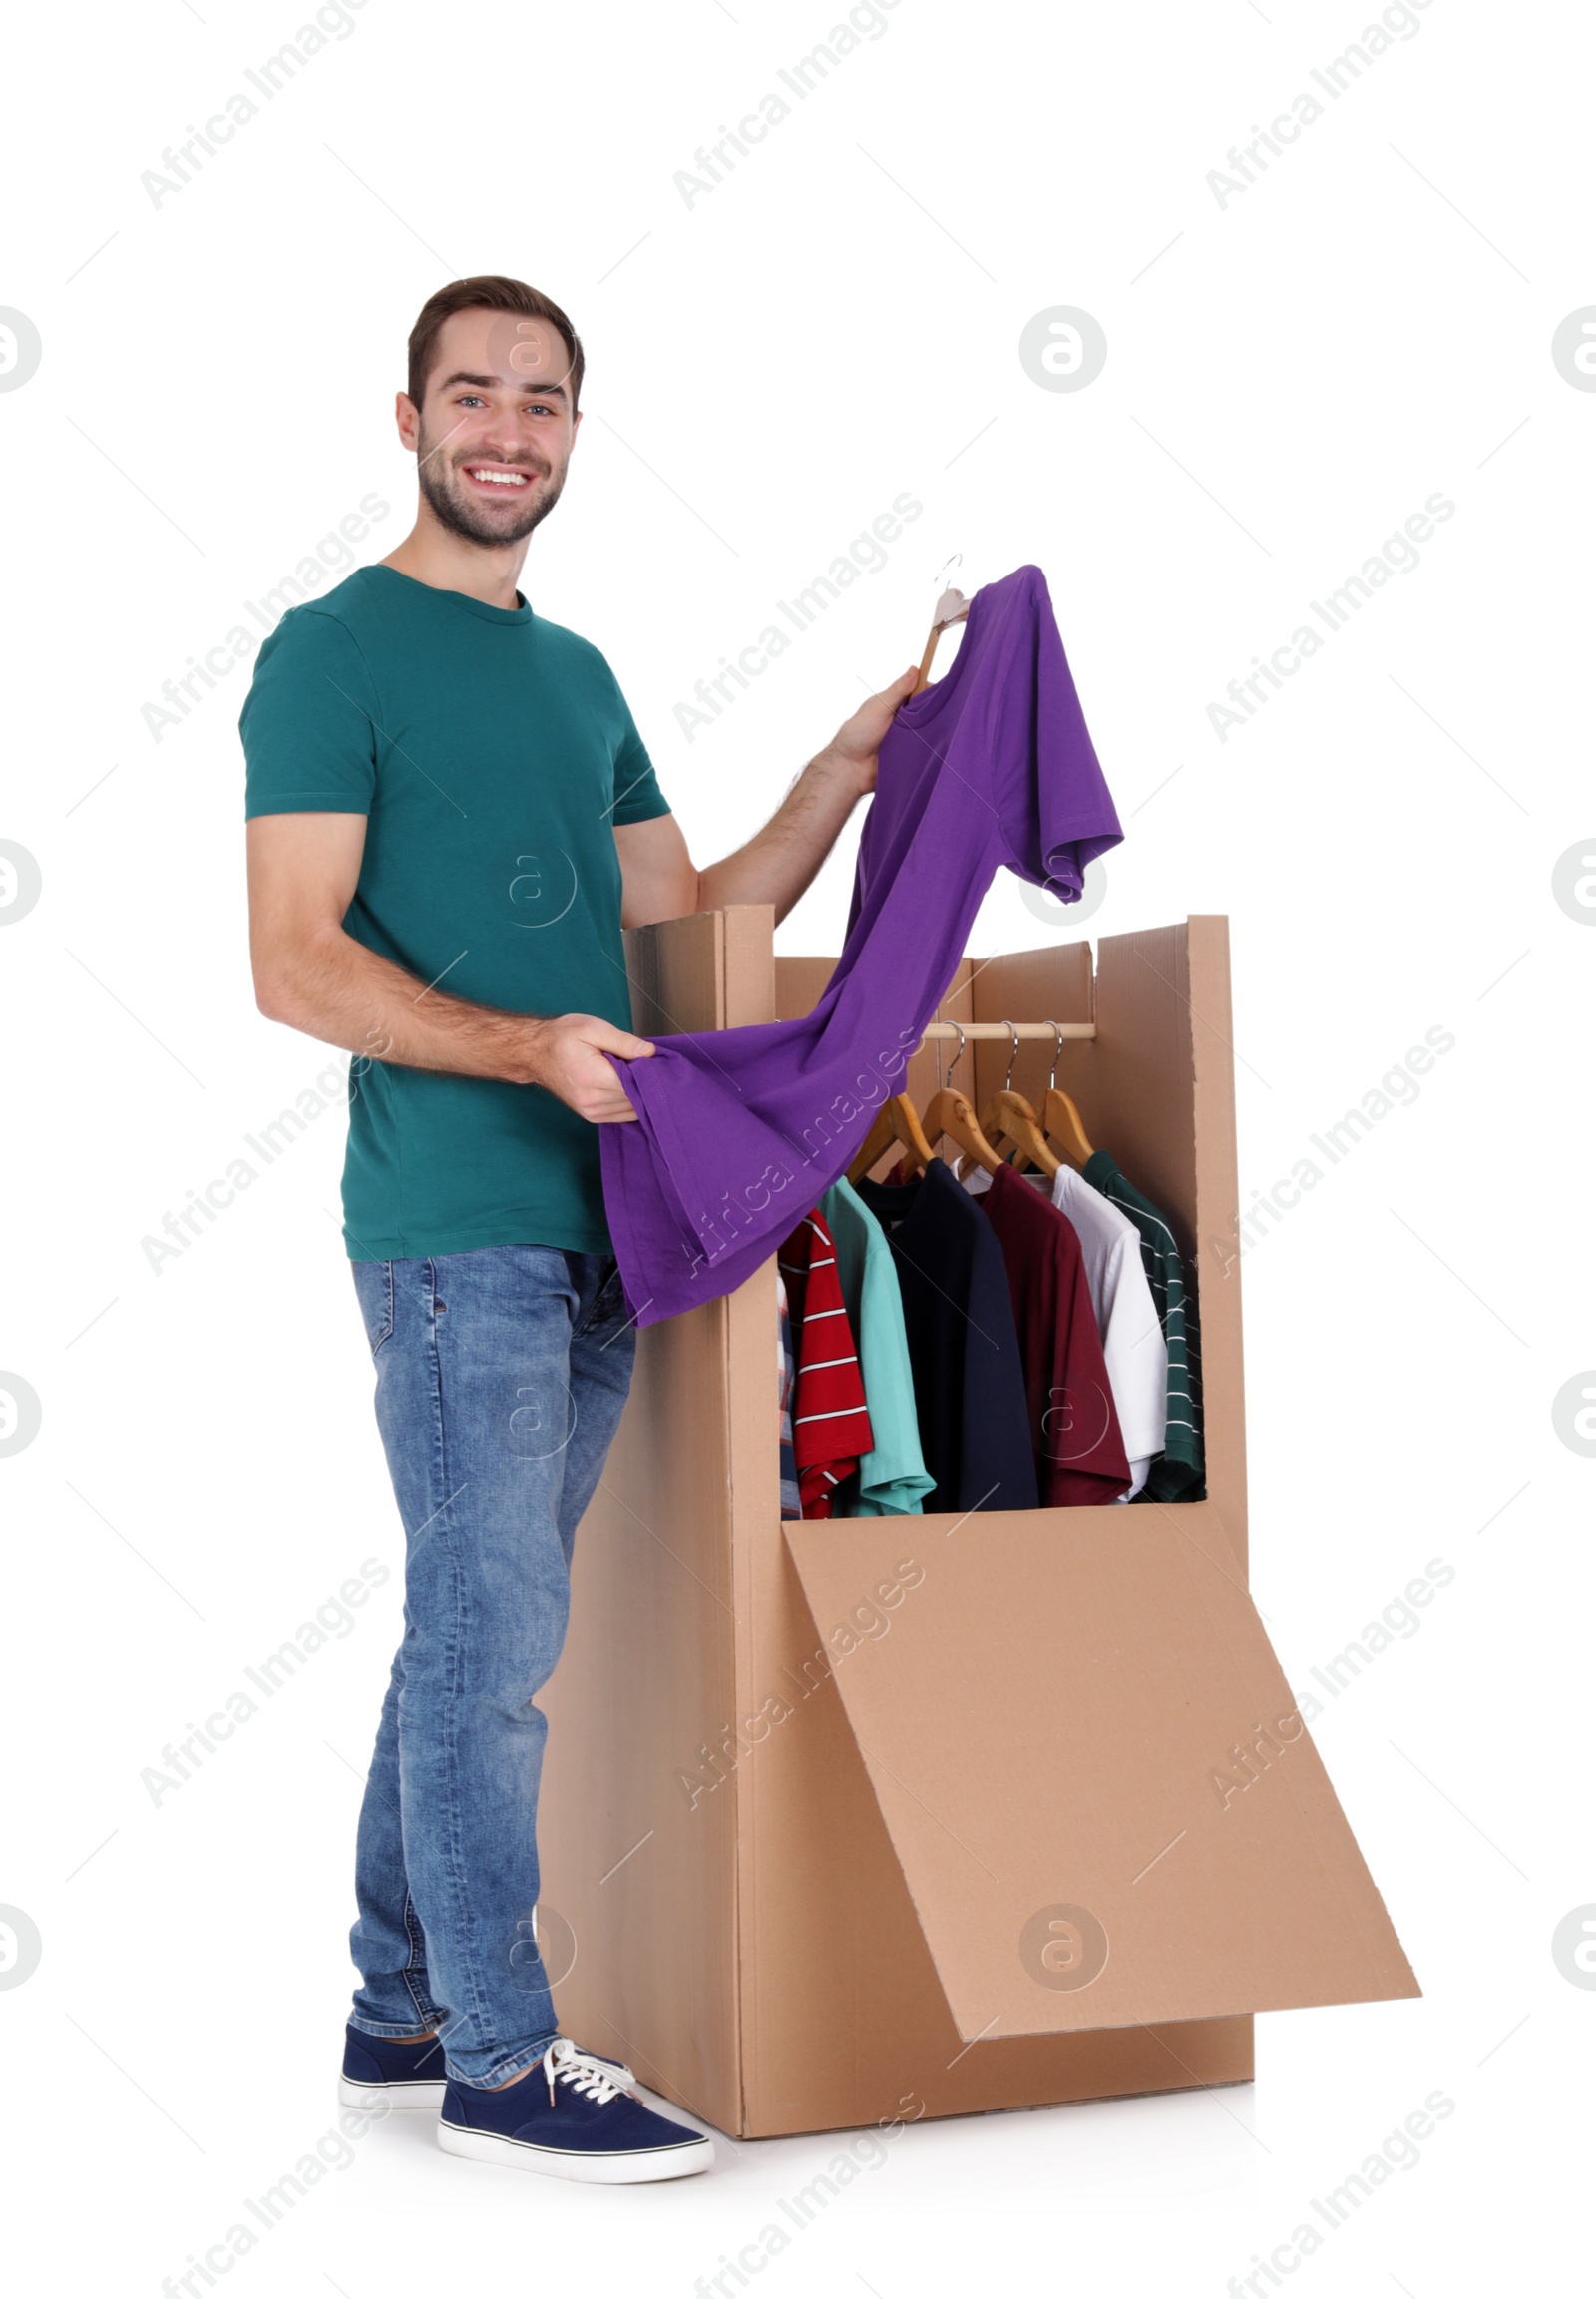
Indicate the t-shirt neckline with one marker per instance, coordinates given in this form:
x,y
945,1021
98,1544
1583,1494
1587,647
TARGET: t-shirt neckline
x,y
899,1203
520,613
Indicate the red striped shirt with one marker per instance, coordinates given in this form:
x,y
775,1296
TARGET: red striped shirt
x,y
830,1426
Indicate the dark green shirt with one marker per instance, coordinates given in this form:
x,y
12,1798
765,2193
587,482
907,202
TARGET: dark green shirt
x,y
492,753
1177,1474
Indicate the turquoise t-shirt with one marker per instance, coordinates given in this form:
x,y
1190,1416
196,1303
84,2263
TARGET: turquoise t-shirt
x,y
891,1480
492,753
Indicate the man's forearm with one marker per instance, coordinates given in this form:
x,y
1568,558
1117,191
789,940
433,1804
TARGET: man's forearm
x,y
336,989
345,994
779,862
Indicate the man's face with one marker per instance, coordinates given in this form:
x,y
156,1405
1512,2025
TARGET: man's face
x,y
496,428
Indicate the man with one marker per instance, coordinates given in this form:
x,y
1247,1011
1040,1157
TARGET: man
x,y
450,817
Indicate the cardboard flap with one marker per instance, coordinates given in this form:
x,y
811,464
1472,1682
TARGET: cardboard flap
x,y
1104,1804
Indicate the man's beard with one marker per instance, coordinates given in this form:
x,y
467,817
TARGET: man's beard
x,y
456,511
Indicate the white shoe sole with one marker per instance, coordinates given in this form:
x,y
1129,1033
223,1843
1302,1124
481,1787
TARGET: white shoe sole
x,y
353,2093
598,2171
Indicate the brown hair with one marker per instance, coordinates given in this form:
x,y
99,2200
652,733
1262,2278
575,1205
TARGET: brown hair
x,y
490,293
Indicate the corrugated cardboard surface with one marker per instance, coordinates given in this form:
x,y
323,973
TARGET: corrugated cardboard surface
x,y
844,2015
773,1925
646,1906
1092,1770
827,1916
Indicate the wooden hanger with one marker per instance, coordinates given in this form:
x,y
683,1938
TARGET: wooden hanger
x,y
952,607
1059,1116
948,1116
1010,1117
896,1121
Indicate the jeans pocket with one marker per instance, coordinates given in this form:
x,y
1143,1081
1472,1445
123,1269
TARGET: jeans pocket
x,y
374,1292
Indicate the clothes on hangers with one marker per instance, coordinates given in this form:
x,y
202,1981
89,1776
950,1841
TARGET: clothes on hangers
x,y
787,1470
964,1351
738,1129
830,1420
1134,1353
892,1479
1074,1426
1178,1474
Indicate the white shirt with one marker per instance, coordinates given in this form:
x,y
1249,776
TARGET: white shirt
x,y
1135,1354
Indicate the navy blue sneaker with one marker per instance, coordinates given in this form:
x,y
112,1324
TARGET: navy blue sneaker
x,y
377,2068
575,2116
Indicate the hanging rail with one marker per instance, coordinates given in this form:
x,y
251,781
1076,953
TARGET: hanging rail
x,y
977,1030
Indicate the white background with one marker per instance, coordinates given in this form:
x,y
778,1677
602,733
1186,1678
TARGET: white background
x,y
1289,376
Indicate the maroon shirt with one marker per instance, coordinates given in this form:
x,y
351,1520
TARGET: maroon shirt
x,y
1080,1453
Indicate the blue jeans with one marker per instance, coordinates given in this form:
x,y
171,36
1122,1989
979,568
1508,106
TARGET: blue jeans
x,y
501,1379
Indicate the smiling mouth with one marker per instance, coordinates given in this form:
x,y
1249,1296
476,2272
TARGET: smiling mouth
x,y
501,475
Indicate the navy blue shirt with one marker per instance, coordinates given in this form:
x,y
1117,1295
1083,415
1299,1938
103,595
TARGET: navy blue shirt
x,y
964,1353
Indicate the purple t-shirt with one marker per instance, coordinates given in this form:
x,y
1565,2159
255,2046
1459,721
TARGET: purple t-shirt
x,y
740,1131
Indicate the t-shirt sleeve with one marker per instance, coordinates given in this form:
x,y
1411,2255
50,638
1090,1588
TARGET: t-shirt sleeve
x,y
1052,801
309,721
638,794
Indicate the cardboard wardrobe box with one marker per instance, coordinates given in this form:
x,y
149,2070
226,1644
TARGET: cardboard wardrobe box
x,y
844,1821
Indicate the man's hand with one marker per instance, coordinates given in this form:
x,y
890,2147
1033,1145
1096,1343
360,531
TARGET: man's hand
x,y
660,879
855,744
566,1057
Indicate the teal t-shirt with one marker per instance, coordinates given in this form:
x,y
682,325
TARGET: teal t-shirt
x,y
492,753
892,1479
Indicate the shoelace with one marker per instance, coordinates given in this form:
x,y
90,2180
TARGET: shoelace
x,y
599,2080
